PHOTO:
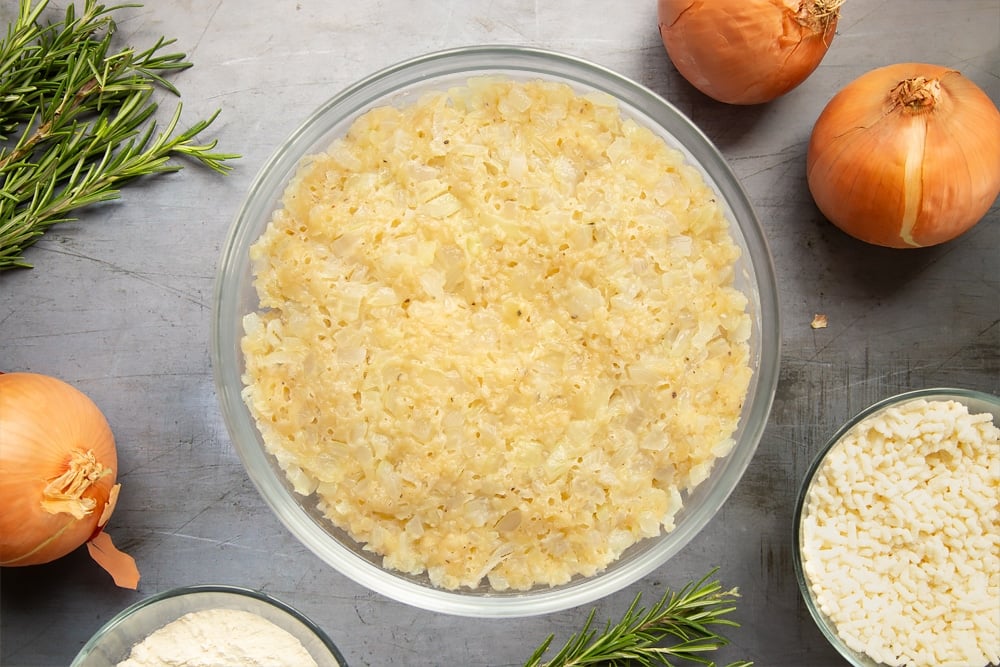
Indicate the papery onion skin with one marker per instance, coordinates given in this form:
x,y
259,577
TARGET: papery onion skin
x,y
906,175
747,51
46,425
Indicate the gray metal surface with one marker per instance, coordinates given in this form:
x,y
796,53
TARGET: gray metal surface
x,y
119,304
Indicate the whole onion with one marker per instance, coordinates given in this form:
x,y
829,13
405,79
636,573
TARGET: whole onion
x,y
58,465
747,51
906,156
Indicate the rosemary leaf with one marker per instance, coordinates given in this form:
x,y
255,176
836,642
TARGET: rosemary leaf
x,y
681,626
76,120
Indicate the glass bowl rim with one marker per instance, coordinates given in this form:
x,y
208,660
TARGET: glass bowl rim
x,y
826,627
470,61
196,589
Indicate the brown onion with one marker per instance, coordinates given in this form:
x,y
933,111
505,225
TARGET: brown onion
x,y
58,465
747,51
906,156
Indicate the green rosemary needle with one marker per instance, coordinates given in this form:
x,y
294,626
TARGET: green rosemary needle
x,y
76,120
681,626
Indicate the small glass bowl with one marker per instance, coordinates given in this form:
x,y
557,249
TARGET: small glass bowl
x,y
113,642
977,403
402,84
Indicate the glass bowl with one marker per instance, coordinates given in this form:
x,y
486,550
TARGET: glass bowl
x,y
113,642
976,402
398,85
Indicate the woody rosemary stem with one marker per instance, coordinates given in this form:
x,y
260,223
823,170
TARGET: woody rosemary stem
x,y
76,120
681,629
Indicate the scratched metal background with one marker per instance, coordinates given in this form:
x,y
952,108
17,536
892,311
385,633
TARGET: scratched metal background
x,y
119,304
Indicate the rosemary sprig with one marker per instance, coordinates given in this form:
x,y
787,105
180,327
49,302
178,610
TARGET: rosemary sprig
x,y
681,626
76,120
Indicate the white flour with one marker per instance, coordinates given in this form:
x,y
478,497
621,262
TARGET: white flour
x,y
219,638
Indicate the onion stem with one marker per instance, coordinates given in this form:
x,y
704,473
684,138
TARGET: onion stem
x,y
917,94
826,8
65,492
819,14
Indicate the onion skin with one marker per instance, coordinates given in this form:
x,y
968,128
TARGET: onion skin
x,y
906,175
747,51
46,424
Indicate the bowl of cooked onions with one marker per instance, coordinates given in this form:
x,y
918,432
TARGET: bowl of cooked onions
x,y
897,532
496,331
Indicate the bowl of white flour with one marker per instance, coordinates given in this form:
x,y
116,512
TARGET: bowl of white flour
x,y
210,626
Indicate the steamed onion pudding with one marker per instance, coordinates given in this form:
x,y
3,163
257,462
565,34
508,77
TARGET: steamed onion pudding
x,y
498,334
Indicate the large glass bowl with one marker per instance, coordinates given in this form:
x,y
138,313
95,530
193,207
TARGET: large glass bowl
x,y
401,84
976,402
112,643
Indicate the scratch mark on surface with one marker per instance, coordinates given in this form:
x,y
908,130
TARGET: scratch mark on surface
x,y
784,157
880,9
133,274
208,24
836,337
357,612
270,57
209,540
447,23
60,334
980,334
157,375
